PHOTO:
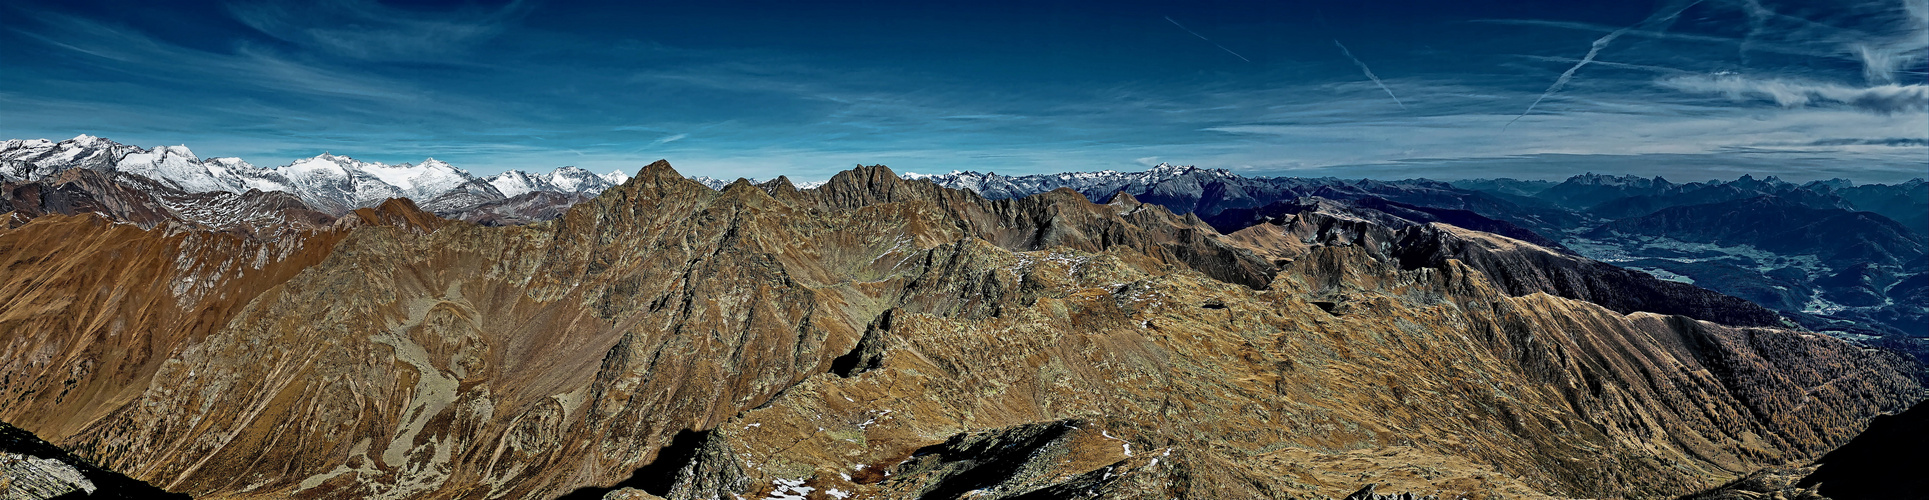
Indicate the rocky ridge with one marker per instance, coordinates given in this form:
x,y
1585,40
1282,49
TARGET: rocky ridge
x,y
1865,291
877,338
1793,262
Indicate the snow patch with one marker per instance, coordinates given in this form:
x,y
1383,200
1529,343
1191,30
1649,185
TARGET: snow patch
x,y
790,489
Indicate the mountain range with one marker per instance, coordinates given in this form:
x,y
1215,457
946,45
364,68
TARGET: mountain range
x,y
328,183
1830,255
1175,333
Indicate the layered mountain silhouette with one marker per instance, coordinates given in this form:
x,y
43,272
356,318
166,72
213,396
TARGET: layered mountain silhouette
x,y
882,337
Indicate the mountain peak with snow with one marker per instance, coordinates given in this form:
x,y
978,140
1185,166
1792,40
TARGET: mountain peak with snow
x,y
327,181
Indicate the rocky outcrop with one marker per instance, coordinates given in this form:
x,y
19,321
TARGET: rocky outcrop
x,y
1369,493
31,469
882,338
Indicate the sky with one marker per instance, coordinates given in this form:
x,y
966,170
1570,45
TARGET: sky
x,y
1363,88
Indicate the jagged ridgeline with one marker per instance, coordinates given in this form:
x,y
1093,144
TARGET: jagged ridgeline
x,y
877,337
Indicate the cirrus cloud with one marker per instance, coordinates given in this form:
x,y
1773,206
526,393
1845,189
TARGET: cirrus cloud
x,y
1791,93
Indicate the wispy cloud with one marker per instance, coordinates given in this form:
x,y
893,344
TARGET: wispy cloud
x,y
126,50
1885,99
1893,41
526,86
1758,17
1887,38
1306,138
668,139
368,30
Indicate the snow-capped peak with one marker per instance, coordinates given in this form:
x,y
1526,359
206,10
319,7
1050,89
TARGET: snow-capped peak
x,y
570,179
516,182
174,165
420,181
567,179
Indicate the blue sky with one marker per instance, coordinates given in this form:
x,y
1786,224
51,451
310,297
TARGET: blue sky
x,y
1692,90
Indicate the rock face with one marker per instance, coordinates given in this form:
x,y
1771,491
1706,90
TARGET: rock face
x,y
879,338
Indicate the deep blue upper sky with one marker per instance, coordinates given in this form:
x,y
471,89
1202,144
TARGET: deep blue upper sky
x,y
1693,90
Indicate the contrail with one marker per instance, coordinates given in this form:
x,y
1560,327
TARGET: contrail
x,y
1595,50
1369,73
1569,74
1611,64
1208,40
